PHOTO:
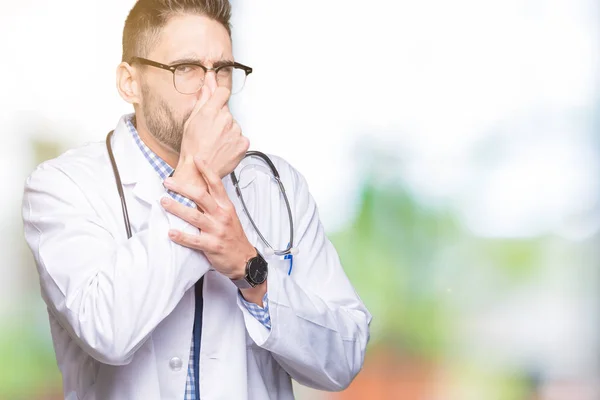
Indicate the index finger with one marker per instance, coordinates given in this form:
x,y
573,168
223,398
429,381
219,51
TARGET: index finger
x,y
218,100
204,97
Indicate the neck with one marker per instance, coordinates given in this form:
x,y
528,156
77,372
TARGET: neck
x,y
170,156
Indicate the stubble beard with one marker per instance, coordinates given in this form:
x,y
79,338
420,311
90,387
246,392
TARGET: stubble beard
x,y
162,122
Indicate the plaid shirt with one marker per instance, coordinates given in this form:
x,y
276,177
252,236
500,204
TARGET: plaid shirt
x,y
164,170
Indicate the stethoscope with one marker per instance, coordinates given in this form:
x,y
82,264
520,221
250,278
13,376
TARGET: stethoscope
x,y
269,250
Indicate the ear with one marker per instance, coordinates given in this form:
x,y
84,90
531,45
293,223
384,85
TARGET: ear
x,y
128,84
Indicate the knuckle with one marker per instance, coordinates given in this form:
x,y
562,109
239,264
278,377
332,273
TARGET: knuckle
x,y
228,118
197,218
181,238
220,232
236,128
226,121
244,143
209,246
227,218
219,247
228,208
195,241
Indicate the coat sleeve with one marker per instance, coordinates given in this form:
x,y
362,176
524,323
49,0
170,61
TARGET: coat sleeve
x,y
319,326
108,293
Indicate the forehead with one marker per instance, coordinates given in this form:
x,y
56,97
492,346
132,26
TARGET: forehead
x,y
192,36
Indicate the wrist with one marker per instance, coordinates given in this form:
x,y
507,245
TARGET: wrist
x,y
185,163
240,270
256,294
186,171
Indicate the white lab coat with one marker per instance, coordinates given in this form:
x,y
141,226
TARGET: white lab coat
x,y
121,311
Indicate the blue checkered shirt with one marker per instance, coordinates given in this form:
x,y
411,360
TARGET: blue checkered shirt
x,y
164,170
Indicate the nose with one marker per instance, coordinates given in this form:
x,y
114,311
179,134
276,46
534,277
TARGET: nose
x,y
210,81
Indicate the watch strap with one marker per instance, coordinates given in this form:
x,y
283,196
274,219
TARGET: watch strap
x,y
242,283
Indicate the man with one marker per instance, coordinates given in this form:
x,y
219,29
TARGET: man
x,y
189,304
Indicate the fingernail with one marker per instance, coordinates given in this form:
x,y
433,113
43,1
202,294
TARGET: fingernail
x,y
172,234
164,201
168,181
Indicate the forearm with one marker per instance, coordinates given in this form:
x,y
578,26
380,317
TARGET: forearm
x,y
109,295
319,342
319,326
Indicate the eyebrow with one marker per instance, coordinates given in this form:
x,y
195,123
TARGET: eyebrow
x,y
194,60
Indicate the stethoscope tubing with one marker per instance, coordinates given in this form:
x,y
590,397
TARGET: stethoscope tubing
x,y
238,191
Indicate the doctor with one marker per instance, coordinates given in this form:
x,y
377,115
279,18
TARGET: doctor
x,y
190,303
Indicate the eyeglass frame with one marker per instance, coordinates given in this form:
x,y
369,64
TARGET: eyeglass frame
x,y
144,61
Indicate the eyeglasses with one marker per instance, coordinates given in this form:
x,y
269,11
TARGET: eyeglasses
x,y
188,78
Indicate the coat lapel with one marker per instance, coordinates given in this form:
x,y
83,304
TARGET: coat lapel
x,y
136,172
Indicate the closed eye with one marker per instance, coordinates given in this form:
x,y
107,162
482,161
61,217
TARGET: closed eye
x,y
184,69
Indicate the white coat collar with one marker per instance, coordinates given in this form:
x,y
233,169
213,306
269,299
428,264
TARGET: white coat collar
x,y
134,168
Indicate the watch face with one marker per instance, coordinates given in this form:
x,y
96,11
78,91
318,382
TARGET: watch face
x,y
257,270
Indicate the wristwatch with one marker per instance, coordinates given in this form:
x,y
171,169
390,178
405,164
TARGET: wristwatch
x,y
256,272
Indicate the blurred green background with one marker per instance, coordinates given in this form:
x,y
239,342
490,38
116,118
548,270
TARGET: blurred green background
x,y
458,163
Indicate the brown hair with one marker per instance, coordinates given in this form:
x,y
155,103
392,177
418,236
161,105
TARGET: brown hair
x,y
148,17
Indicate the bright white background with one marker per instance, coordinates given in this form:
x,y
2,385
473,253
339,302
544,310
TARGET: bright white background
x,y
428,79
